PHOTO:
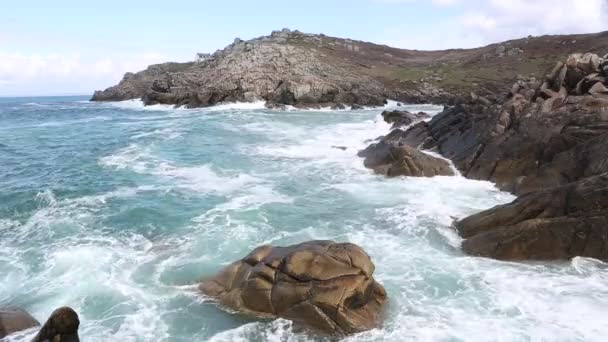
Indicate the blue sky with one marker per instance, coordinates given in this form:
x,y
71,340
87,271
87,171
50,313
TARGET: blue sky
x,y
68,46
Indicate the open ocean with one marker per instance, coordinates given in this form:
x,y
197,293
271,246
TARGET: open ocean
x,y
116,210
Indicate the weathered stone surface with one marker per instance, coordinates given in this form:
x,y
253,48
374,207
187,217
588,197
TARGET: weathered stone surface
x,y
393,160
13,320
322,285
400,118
559,223
62,325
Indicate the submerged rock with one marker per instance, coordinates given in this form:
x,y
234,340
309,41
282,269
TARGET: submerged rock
x,y
395,160
322,285
62,325
400,118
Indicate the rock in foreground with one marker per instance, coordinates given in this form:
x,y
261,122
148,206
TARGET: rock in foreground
x,y
62,326
393,160
322,285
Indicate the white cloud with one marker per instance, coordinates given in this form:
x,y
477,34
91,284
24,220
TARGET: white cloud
x,y
480,22
498,19
68,72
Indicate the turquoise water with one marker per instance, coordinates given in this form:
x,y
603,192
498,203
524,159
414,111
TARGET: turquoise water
x,y
116,210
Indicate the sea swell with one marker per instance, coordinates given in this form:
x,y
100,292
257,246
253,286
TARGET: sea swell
x,y
169,196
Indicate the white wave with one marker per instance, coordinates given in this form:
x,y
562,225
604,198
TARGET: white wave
x,y
276,331
137,104
197,178
248,106
164,133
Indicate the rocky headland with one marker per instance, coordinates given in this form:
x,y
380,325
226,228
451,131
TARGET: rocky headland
x,y
312,70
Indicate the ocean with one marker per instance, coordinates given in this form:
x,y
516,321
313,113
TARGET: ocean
x,y
116,210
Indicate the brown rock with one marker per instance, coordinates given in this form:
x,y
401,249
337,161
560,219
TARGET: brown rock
x,y
322,285
13,320
392,160
62,326
559,223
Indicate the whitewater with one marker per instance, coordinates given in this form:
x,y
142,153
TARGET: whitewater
x,y
116,210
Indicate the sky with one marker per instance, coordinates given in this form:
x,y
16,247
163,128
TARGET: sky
x,y
65,47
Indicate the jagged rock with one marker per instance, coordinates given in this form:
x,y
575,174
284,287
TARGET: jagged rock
x,y
392,160
403,118
62,325
598,88
559,223
511,143
134,86
322,285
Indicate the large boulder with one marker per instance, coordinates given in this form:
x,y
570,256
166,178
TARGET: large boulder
x,y
393,160
62,325
321,285
559,223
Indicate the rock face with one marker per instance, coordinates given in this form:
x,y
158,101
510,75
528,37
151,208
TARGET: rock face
x,y
547,140
531,140
62,326
401,118
322,285
393,160
559,223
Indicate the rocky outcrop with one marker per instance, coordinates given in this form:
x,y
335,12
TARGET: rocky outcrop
x,y
523,143
392,160
62,326
137,85
281,69
547,140
401,118
321,285
559,223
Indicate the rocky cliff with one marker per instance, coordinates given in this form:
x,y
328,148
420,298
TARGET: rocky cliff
x,y
294,68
